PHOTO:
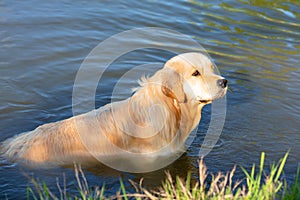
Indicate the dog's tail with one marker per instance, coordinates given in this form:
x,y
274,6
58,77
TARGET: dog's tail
x,y
14,148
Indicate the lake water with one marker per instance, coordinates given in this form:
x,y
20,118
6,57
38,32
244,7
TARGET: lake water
x,y
255,44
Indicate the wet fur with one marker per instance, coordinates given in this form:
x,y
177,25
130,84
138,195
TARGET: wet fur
x,y
118,124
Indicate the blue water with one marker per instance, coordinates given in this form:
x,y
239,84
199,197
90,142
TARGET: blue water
x,y
256,46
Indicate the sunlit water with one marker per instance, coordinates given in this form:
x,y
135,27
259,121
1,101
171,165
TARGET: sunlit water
x,y
256,46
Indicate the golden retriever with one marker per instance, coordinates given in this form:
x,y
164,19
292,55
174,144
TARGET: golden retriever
x,y
160,115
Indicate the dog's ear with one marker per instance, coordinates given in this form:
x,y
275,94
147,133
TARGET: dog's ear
x,y
172,85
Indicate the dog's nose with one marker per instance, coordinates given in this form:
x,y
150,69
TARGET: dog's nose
x,y
222,83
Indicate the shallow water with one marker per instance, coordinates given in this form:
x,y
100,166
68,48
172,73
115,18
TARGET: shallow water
x,y
255,44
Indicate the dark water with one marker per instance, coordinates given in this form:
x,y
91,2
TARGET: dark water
x,y
255,44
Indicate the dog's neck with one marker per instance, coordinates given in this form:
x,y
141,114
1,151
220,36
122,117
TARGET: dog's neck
x,y
181,118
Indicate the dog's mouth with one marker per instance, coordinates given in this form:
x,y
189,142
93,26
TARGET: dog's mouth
x,y
204,101
208,100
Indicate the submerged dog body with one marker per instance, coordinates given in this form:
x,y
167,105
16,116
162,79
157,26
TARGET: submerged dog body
x,y
160,115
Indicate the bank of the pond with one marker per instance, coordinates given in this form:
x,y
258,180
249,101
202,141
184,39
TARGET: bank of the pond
x,y
257,184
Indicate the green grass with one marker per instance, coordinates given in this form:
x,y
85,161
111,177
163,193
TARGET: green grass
x,y
257,185
293,192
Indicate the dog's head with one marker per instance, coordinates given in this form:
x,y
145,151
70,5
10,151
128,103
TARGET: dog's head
x,y
191,77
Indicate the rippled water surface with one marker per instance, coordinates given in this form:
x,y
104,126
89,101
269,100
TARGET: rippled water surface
x,y
255,44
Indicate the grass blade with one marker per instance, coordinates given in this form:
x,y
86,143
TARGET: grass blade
x,y
279,171
123,190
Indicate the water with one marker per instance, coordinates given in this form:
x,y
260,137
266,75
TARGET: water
x,y
255,45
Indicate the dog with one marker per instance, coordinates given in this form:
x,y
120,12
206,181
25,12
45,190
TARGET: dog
x,y
160,114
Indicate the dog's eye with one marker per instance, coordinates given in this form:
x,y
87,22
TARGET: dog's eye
x,y
196,73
